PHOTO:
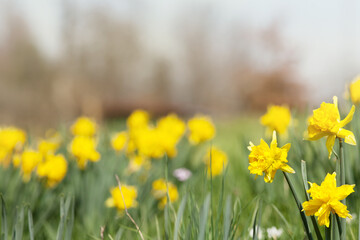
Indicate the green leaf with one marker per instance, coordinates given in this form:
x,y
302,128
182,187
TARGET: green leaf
x,y
179,217
203,217
31,224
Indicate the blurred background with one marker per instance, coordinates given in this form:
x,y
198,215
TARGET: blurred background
x,y
60,59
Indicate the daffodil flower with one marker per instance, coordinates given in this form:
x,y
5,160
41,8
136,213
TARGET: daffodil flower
x,y
326,198
277,118
325,122
355,91
267,160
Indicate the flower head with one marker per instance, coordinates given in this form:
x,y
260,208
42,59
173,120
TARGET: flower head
x,y
355,91
274,233
277,118
119,140
29,161
84,127
267,160
116,200
216,161
137,162
84,149
325,122
53,169
160,189
326,198
172,125
182,174
201,129
11,138
50,144
138,119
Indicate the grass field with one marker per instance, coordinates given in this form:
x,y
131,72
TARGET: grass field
x,y
226,206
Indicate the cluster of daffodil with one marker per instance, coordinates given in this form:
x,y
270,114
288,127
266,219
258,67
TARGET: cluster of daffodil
x,y
83,145
145,140
41,160
325,122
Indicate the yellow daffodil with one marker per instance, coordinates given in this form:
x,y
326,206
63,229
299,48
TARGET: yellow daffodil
x,y
138,119
201,129
355,91
50,144
172,125
217,160
277,118
137,162
11,138
84,127
84,149
325,122
119,140
116,200
29,161
160,189
267,160
326,198
53,169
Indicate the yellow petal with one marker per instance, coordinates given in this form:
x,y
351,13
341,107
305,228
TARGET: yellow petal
x,y
287,146
287,168
312,206
348,118
274,140
330,141
343,191
340,209
347,135
323,215
335,100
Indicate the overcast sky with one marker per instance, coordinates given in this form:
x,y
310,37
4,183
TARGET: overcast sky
x,y
325,33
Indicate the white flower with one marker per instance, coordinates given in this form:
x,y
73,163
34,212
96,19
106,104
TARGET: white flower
x,y
259,232
182,174
274,233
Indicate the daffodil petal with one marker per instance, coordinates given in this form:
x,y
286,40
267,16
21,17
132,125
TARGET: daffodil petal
x,y
330,141
347,135
287,168
312,206
340,209
344,191
323,215
348,118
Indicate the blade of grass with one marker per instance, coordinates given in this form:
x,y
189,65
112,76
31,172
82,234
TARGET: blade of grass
x,y
257,220
4,226
306,188
284,220
299,205
179,217
227,217
31,225
70,222
157,228
60,231
119,234
203,217
19,226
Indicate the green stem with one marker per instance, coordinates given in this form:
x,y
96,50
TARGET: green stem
x,y
298,203
342,182
328,230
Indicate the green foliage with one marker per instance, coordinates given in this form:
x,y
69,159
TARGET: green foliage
x,y
208,208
